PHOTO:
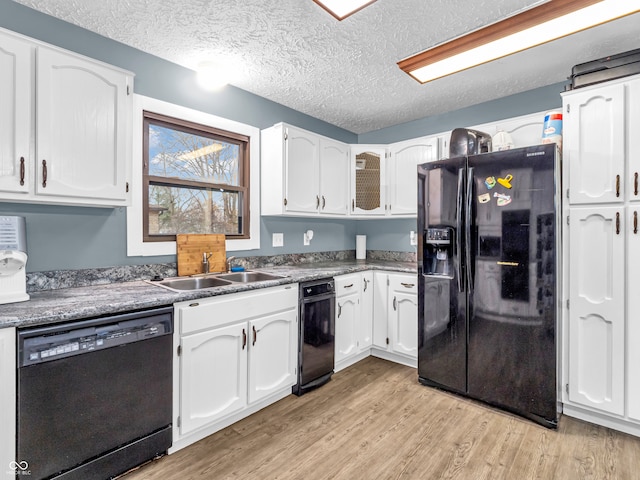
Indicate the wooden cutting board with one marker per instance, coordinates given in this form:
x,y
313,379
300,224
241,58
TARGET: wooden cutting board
x,y
190,248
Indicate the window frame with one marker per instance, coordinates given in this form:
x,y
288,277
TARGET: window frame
x,y
243,187
134,213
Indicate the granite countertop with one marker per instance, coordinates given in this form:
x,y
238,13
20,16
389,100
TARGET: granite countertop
x,y
53,306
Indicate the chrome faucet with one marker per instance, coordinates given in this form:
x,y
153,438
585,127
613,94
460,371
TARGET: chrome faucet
x,y
205,261
229,260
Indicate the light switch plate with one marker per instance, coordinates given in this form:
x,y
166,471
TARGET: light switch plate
x,y
278,240
413,238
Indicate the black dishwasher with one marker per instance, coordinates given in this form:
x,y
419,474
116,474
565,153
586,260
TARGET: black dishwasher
x,y
316,349
94,396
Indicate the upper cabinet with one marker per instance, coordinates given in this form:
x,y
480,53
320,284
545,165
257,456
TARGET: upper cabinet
x,y
595,155
16,78
368,179
303,173
402,173
75,148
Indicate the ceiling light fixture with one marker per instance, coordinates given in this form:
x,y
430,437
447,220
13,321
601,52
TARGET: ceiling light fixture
x,y
541,24
341,9
211,75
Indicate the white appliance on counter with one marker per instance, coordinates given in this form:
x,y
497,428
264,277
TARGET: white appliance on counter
x,y
13,259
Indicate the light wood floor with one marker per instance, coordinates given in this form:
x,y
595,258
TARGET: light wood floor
x,y
375,421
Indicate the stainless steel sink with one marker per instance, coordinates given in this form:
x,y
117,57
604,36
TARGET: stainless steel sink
x,y
210,281
192,283
248,277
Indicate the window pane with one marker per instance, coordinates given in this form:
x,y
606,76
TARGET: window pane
x,y
178,154
175,210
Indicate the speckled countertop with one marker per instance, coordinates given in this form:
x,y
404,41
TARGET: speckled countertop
x,y
52,306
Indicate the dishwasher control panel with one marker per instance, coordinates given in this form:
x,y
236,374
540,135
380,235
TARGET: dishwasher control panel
x,y
52,343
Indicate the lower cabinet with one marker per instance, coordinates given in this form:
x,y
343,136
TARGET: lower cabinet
x,y
235,354
395,317
354,328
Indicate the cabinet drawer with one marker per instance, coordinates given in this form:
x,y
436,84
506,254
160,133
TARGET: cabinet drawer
x,y
347,284
404,283
211,312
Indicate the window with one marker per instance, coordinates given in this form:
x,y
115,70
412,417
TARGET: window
x,y
195,179
213,129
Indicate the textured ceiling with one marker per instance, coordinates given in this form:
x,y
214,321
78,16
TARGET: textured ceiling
x,y
295,53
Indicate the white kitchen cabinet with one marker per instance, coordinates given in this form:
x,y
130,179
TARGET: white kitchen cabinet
x,y
272,366
334,177
81,129
303,173
601,248
594,143
596,312
236,353
347,317
213,373
16,120
402,171
395,327
7,397
380,310
368,180
403,314
633,310
365,337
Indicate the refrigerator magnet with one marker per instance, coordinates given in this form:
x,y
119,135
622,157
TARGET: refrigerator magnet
x,y
490,182
506,181
484,198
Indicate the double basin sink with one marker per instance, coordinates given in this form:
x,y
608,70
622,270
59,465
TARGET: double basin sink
x,y
217,280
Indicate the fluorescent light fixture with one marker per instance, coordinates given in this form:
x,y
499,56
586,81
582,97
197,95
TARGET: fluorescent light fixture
x,y
544,23
201,152
341,9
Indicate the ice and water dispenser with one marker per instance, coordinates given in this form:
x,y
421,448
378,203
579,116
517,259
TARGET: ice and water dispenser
x,y
438,252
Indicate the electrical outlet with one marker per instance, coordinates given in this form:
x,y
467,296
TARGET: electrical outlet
x,y
413,238
278,240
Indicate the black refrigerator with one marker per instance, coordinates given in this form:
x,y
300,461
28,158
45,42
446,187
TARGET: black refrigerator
x,y
487,278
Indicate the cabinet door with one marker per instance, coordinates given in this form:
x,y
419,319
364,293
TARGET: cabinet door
x,y
347,312
365,329
403,173
16,92
596,311
633,139
633,311
380,310
594,145
301,170
272,354
213,373
403,314
83,113
334,177
368,180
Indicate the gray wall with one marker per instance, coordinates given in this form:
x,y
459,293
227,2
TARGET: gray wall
x,y
79,237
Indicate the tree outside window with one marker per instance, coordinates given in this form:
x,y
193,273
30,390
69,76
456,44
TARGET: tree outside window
x,y
196,179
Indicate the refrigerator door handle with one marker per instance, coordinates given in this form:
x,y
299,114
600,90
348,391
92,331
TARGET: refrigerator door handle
x,y
467,229
458,245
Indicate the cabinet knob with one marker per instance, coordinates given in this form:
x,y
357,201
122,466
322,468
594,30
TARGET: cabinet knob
x,y
635,184
617,185
635,223
255,335
244,338
617,223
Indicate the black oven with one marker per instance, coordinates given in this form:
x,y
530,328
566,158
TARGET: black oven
x,y
94,396
316,351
